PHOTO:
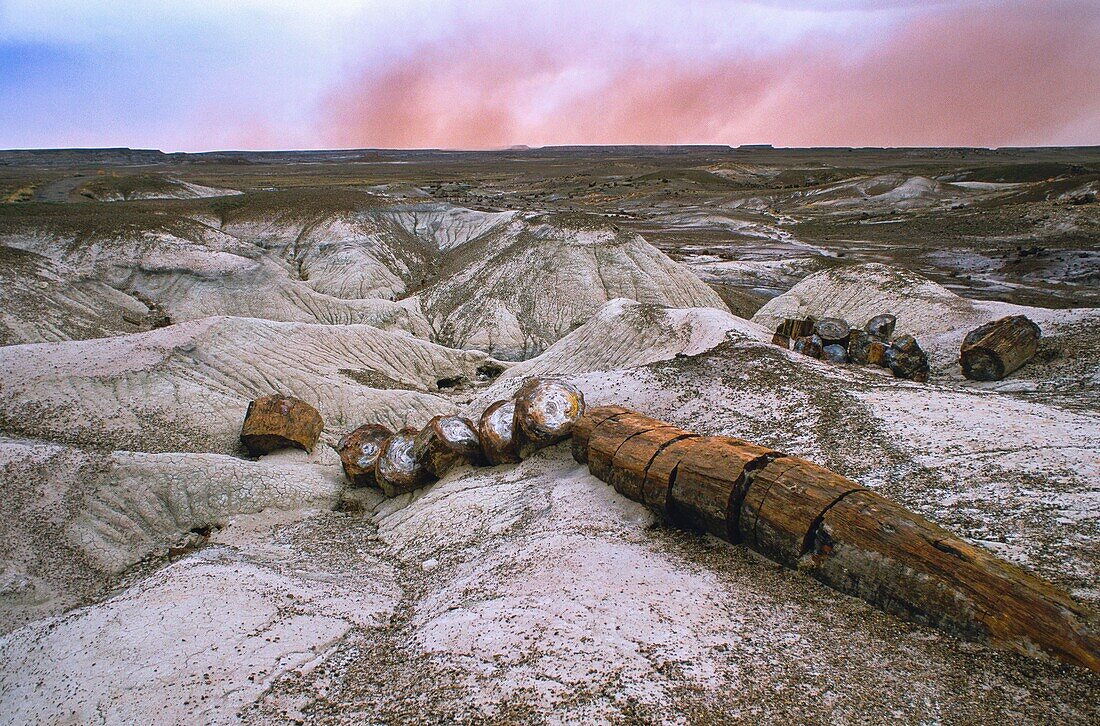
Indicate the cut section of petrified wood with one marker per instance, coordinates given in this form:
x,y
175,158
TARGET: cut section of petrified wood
x,y
277,422
992,351
833,331
591,418
359,451
906,359
397,470
792,329
809,345
783,504
881,326
497,432
631,460
870,547
612,433
546,409
866,349
445,442
710,483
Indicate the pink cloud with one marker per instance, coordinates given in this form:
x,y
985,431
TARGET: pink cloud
x,y
986,74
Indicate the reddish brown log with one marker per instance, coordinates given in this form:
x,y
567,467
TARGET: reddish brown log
x,y
809,345
791,329
497,432
662,470
546,410
783,504
606,439
591,418
446,442
632,459
872,548
397,470
994,350
866,349
710,483
277,422
359,453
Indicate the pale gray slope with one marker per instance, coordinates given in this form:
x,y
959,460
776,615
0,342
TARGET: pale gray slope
x,y
519,289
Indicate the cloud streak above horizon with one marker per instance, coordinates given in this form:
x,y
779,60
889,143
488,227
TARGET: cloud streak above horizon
x,y
455,75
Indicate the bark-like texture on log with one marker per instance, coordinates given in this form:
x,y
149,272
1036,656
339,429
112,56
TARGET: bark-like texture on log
x,y
710,484
278,422
662,472
996,349
784,503
612,433
582,430
870,547
359,452
632,459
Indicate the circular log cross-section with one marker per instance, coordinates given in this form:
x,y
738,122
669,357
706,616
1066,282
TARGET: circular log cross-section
x,y
359,453
546,410
833,331
497,432
994,350
278,422
882,326
446,442
397,470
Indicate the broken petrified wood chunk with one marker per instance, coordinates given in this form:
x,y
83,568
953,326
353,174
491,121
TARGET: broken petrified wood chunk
x,y
546,409
906,359
872,548
881,326
612,433
835,353
809,345
445,442
866,349
277,422
710,483
832,331
359,453
588,421
497,432
992,351
397,470
631,461
792,329
783,504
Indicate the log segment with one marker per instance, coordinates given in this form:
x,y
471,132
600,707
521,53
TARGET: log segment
x,y
445,442
631,461
609,435
496,429
784,504
833,331
662,473
278,422
792,329
546,410
906,359
872,548
994,350
882,326
359,451
809,345
582,430
866,349
397,470
710,483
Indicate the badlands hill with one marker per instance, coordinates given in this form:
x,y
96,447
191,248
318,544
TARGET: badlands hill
x,y
152,571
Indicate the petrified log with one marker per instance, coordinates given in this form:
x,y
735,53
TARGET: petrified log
x,y
835,353
662,472
359,453
277,422
906,359
445,442
710,483
588,421
833,331
546,409
397,470
783,504
870,547
881,326
631,461
792,329
809,345
612,433
496,429
866,349
992,351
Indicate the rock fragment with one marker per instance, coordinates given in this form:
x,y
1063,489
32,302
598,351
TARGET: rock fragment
x,y
445,442
866,349
359,452
278,422
496,430
835,353
809,345
882,326
397,469
906,359
996,349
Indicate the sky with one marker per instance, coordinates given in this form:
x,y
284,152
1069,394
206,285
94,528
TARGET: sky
x,y
193,75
